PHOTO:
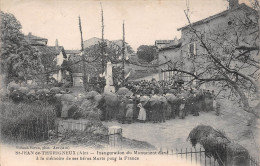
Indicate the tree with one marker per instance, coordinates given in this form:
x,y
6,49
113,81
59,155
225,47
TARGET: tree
x,y
147,53
18,59
228,55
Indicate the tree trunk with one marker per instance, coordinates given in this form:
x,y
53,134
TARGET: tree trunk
x,y
244,100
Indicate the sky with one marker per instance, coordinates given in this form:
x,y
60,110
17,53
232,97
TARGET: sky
x,y
145,20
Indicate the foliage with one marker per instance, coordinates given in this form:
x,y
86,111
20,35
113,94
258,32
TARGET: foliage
x,y
117,77
49,64
18,59
217,145
147,53
25,122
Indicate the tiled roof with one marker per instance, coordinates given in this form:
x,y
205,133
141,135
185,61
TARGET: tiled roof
x,y
35,37
72,51
35,40
163,41
93,41
241,6
51,50
170,46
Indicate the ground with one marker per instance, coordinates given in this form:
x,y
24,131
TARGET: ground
x,y
173,133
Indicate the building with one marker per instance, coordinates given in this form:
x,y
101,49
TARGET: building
x,y
162,43
52,54
94,67
188,49
70,53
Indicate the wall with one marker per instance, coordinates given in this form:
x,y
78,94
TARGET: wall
x,y
221,25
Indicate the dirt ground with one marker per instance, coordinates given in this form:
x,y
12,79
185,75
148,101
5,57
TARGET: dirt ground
x,y
173,133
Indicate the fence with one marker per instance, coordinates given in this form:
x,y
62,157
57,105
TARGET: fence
x,y
200,157
32,131
253,162
114,134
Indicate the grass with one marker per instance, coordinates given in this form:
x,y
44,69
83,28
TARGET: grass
x,y
24,122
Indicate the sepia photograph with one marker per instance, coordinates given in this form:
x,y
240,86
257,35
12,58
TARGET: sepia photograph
x,y
130,82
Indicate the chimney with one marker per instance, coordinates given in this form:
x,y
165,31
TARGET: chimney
x,y
56,43
29,35
233,4
175,40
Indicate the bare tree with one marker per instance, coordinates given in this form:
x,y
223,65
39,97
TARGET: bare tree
x,y
226,53
83,57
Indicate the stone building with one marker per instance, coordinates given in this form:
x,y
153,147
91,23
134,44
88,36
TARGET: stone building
x,y
53,54
185,51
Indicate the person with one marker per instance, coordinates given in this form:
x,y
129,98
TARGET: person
x,y
169,111
129,111
162,111
156,112
195,105
216,106
142,113
121,111
182,109
135,109
207,101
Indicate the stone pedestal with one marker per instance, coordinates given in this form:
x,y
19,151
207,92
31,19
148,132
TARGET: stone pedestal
x,y
109,89
115,137
109,79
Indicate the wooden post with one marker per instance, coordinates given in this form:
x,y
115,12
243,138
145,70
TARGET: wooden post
x,y
181,152
191,154
123,53
186,154
195,155
83,57
200,155
103,42
205,157
176,152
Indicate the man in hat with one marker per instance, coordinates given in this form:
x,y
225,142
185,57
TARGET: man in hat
x,y
122,110
182,108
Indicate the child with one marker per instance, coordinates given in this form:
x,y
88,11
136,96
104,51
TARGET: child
x,y
142,113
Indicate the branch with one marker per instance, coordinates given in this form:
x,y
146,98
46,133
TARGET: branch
x,y
218,62
247,48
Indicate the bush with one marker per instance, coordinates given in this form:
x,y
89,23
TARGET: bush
x,y
23,122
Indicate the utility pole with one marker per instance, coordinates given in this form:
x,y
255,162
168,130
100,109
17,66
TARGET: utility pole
x,y
83,57
103,42
123,55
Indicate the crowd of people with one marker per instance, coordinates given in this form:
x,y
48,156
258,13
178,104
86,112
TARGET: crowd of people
x,y
145,87
155,102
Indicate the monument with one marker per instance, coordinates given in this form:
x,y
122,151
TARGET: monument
x,y
109,79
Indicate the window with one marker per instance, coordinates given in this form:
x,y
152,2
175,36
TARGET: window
x,y
192,49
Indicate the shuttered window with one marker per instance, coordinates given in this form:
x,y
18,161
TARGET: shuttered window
x,y
192,50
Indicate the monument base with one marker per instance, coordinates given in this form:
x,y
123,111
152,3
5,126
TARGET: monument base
x,y
109,89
